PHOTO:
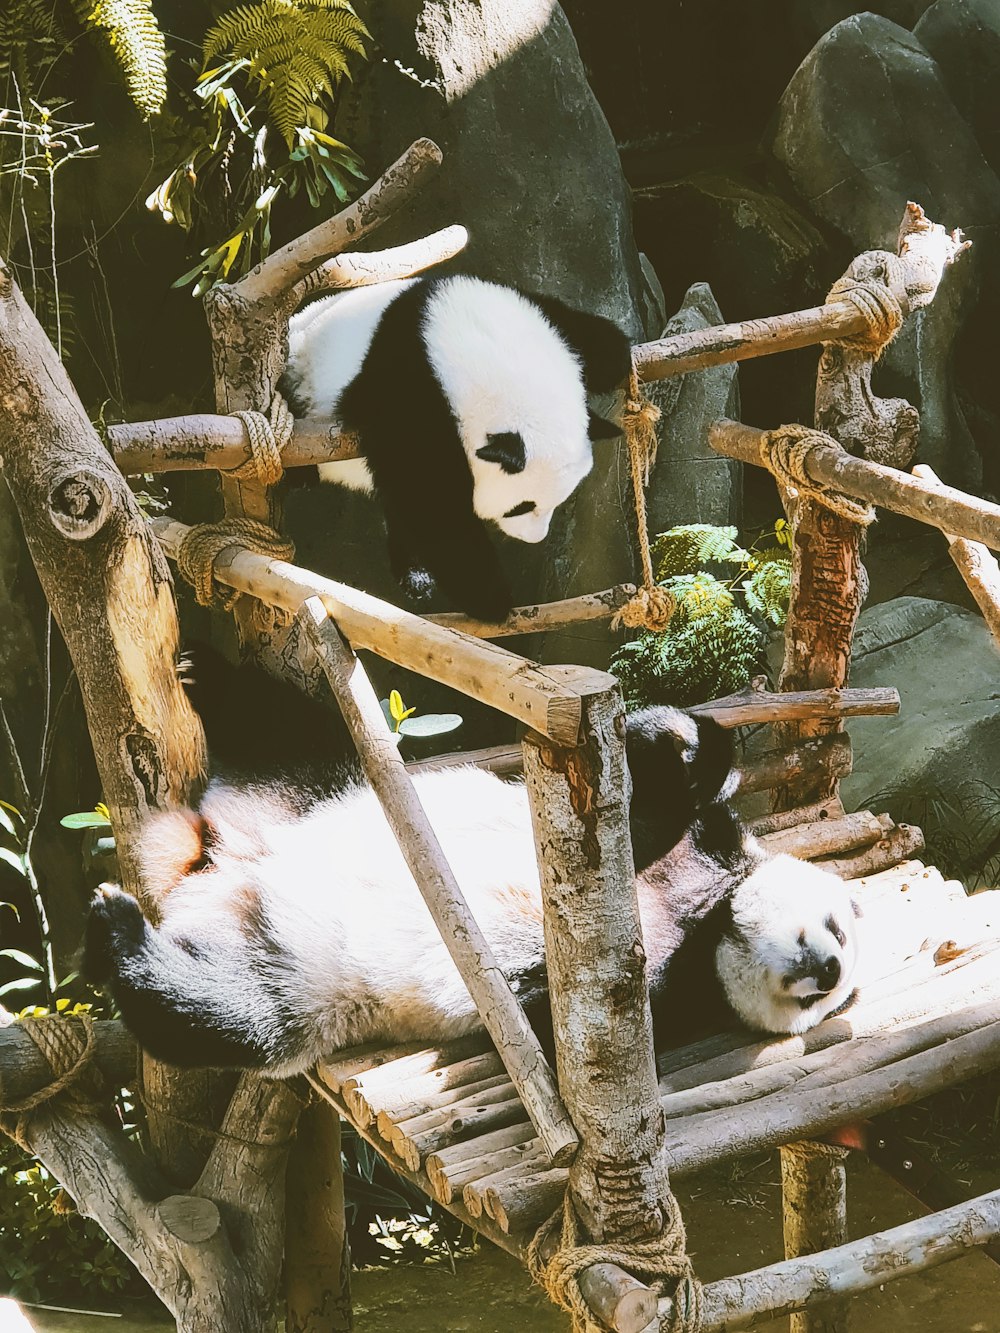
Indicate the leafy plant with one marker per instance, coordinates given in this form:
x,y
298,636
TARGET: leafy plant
x,y
47,1252
728,600
402,722
267,92
130,29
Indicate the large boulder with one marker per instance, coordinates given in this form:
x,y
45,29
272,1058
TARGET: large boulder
x,y
963,36
865,124
690,482
938,760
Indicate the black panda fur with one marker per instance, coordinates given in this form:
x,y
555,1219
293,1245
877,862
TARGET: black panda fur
x,y
286,933
469,402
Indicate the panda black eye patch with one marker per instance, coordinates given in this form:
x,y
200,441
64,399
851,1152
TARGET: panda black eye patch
x,y
835,931
525,507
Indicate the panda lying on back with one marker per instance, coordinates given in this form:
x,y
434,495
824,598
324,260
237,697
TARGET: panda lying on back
x,y
470,403
285,934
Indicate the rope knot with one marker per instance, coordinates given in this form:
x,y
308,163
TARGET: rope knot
x,y
202,547
875,300
785,452
660,1262
652,606
67,1045
267,436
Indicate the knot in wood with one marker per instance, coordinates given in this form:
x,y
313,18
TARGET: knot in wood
x,y
80,503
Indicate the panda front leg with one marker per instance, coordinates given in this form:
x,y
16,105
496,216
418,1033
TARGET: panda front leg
x,y
429,549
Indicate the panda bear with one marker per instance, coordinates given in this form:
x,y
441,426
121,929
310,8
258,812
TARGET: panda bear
x,y
286,933
469,401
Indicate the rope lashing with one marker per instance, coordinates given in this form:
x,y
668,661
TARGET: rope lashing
x,y
659,1262
268,436
67,1045
785,452
875,300
203,545
652,606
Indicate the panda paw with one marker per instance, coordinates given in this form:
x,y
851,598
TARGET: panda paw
x,y
115,928
418,585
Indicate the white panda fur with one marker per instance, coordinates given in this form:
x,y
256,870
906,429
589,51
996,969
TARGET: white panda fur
x,y
285,935
469,401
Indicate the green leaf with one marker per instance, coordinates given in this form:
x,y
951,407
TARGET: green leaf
x,y
5,817
430,724
22,983
86,819
25,959
15,860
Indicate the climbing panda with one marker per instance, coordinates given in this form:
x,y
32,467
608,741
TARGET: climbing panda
x,y
469,400
286,933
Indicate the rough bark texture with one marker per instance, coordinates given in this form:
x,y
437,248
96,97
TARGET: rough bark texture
x,y
597,975
317,1254
814,1213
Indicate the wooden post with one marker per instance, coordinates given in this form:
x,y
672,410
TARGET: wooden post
x,y
829,583
317,1253
499,1010
597,975
814,1213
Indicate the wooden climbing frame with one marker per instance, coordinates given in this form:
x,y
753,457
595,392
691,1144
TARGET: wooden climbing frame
x,y
491,1132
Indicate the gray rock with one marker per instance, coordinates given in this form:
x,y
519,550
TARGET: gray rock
x,y
691,483
865,124
963,36
938,761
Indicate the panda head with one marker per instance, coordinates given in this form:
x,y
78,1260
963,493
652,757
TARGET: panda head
x,y
516,371
788,959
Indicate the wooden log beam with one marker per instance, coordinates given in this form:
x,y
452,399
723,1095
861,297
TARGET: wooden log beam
x,y
724,343
500,1012
210,440
23,1068
942,507
367,267
814,1217
977,567
825,756
750,707
897,844
596,972
805,1284
825,837
394,188
545,698
544,616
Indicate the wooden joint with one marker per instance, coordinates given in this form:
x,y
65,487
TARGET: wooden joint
x,y
189,1218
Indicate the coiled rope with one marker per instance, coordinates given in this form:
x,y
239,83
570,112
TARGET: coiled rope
x,y
202,547
651,607
875,300
660,1262
268,435
785,451
67,1045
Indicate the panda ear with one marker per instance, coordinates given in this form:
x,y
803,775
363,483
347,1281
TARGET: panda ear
x,y
507,449
603,349
600,428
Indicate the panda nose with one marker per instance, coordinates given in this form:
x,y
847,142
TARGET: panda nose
x,y
828,975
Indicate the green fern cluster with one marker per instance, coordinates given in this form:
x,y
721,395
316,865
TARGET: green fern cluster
x,y
131,30
716,638
693,546
30,39
710,648
295,51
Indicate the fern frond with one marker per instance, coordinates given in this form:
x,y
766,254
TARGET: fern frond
x,y
769,588
297,52
30,39
710,648
131,30
687,549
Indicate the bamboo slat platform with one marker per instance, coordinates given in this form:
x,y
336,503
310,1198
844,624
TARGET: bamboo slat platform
x,y
927,1016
